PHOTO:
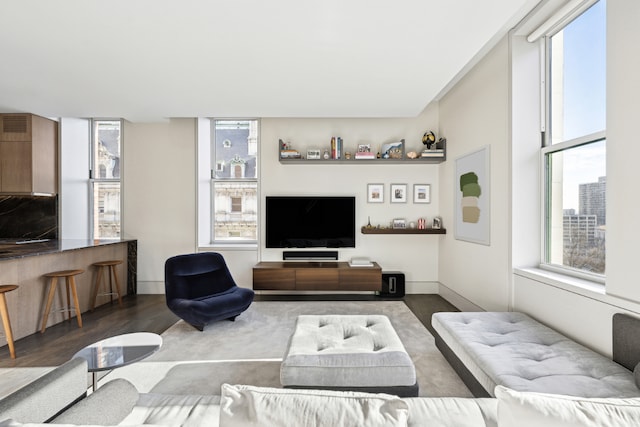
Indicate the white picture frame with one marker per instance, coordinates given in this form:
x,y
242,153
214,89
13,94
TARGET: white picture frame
x,y
375,193
421,193
398,193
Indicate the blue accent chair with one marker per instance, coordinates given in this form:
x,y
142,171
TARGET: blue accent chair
x,y
199,289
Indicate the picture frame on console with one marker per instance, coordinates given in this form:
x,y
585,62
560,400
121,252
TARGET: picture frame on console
x,y
375,193
398,193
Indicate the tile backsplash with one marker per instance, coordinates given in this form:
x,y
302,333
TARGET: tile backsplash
x,y
29,217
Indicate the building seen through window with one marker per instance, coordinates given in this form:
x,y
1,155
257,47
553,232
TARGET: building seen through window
x,y
575,153
106,156
235,181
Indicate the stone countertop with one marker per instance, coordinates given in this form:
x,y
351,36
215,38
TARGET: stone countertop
x,y
10,250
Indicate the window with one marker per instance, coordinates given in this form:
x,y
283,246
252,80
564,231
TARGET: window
x,y
574,155
235,188
106,144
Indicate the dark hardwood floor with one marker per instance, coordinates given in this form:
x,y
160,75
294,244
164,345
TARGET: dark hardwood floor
x,y
149,313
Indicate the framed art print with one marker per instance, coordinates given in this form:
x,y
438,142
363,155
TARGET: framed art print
x,y
472,191
421,193
375,193
398,193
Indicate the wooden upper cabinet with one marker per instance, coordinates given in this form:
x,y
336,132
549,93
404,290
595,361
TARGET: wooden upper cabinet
x,y
28,154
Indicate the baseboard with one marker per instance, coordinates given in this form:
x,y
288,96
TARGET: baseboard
x,y
421,287
457,300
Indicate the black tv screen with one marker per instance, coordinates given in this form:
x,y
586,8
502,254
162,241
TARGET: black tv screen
x,y
308,221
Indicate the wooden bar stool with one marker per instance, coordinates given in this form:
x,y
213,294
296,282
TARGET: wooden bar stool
x,y
113,276
70,282
5,317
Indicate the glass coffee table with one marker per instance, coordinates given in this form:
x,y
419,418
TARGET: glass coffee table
x,y
117,351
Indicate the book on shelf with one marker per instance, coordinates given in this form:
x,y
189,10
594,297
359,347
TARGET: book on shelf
x,y
365,155
438,152
290,154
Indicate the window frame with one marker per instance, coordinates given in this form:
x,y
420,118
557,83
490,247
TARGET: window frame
x,y
93,180
548,148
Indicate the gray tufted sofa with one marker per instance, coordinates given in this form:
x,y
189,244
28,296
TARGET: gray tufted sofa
x,y
513,350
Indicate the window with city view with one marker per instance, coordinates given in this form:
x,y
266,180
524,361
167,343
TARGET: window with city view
x,y
105,178
235,181
574,157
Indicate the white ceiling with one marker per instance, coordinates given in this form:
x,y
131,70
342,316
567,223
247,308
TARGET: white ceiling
x,y
145,60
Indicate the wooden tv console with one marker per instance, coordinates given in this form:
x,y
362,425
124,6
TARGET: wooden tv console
x,y
315,276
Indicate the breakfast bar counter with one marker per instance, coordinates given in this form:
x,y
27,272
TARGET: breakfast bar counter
x,y
24,263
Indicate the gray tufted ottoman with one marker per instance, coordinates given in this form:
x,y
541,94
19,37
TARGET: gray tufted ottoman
x,y
342,352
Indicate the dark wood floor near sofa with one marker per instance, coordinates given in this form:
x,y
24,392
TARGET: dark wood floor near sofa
x,y
149,313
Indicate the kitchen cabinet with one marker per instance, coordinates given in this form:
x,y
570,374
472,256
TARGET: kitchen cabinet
x,y
28,155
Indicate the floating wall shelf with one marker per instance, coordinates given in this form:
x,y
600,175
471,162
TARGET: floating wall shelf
x,y
367,230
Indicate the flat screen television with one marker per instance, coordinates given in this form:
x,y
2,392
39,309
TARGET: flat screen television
x,y
310,222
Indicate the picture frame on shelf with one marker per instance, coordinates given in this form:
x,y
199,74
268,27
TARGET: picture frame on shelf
x,y
421,193
398,193
399,224
313,154
436,223
375,193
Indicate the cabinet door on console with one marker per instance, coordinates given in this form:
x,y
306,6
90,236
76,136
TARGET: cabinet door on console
x,y
361,279
313,279
274,279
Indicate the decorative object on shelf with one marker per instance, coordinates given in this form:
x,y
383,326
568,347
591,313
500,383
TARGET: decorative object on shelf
x,y
364,152
399,223
375,193
432,148
398,193
313,154
412,225
412,155
421,193
347,155
286,152
422,224
393,150
428,139
326,155
437,223
472,214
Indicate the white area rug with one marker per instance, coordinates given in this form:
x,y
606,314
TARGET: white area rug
x,y
250,350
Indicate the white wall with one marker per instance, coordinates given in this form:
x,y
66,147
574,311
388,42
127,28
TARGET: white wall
x,y
415,255
159,190
74,181
473,114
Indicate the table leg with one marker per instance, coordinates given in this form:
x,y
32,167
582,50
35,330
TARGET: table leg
x,y
95,380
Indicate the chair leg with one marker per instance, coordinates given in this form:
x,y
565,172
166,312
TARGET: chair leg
x,y
115,276
52,291
71,282
7,325
96,287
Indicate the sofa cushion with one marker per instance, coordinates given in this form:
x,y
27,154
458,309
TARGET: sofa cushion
x,y
516,351
529,409
45,397
121,396
245,406
175,410
452,411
